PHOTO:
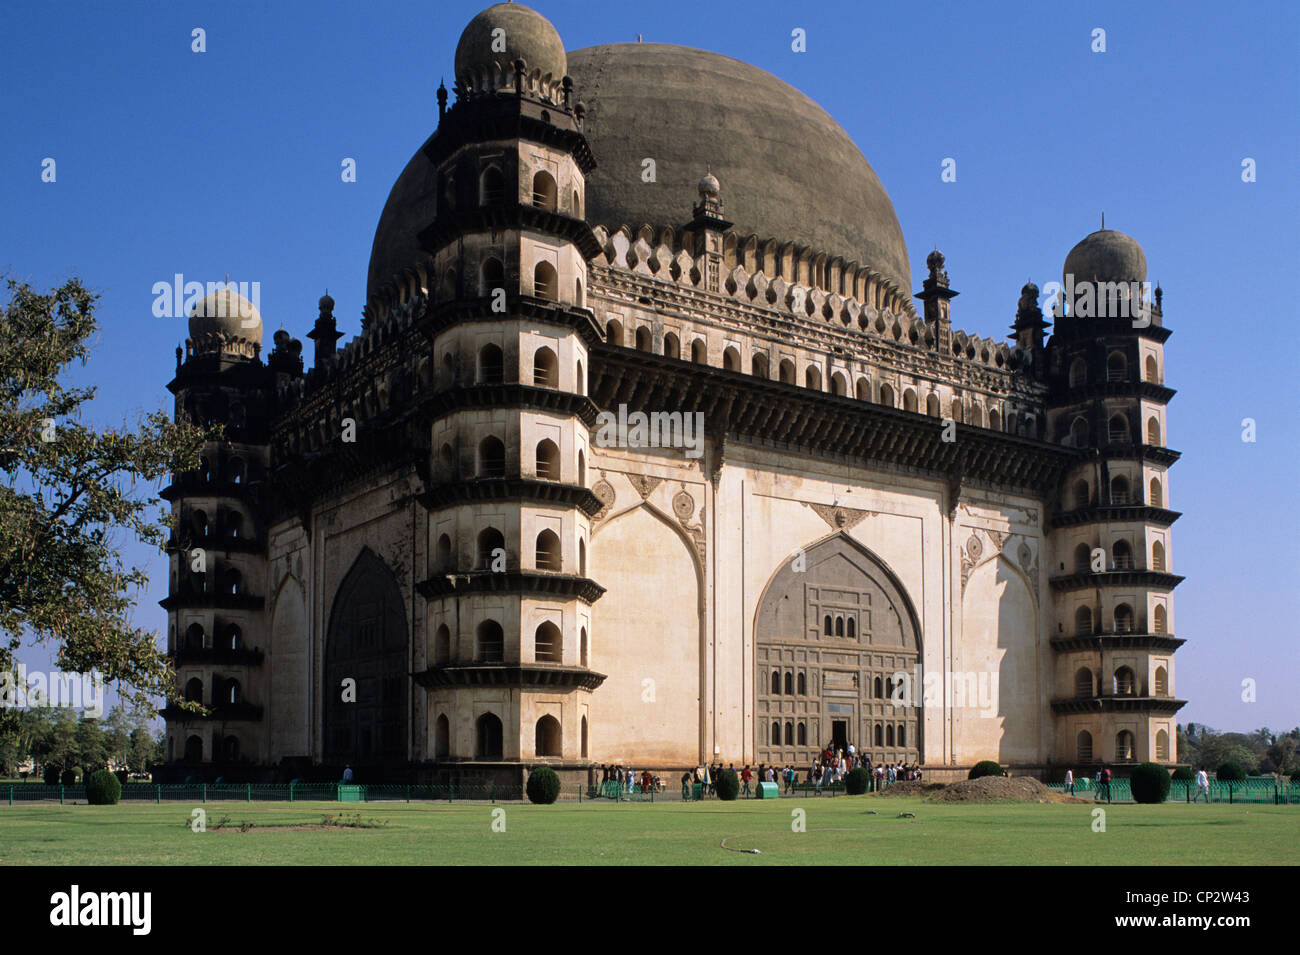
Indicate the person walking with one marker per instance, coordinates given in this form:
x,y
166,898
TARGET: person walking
x,y
1202,786
1069,781
744,778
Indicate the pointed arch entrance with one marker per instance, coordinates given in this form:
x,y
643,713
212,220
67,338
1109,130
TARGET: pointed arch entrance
x,y
836,619
367,641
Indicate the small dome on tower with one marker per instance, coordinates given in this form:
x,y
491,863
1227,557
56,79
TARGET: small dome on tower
x,y
326,304
524,34
228,314
709,186
1106,256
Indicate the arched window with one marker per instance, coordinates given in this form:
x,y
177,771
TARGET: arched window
x,y
193,750
1117,430
1153,369
1162,745
862,390
803,683
449,283
230,749
758,366
1082,496
1083,622
444,553
1161,619
1157,498
1119,490
1153,431
579,297
194,690
194,637
955,411
442,644
447,461
1116,366
582,468
234,582
1083,683
1010,423
548,551
1078,373
909,400
839,626
236,470
1162,681
812,378
491,187
548,644
803,734
1123,619
548,460
546,369
580,379
1082,559
491,365
234,525
582,557
448,370
442,737
644,340
995,419
879,694
614,333
902,735
488,737
1125,682
1124,748
785,371
776,733
789,734
889,735
233,691
776,682
491,277
544,191
887,396
1122,555
489,642
491,457
730,359
582,647
853,629
1083,746
789,684
584,737
1158,556
546,282
828,625
234,637
839,386
932,405
1079,432
200,523
672,346
880,735
491,544
699,352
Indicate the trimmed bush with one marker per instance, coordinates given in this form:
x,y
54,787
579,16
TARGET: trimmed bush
x,y
1230,772
51,775
1149,783
727,785
985,767
1184,774
103,788
543,786
69,777
856,782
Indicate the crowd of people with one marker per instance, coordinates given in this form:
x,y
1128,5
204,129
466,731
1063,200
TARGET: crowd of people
x,y
828,768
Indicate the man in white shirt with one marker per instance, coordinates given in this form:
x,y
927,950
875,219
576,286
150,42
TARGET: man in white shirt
x,y
1202,786
1069,781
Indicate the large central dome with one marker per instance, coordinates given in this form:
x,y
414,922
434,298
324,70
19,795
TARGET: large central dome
x,y
787,170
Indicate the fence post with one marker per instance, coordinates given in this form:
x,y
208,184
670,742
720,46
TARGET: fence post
x,y
492,791
451,791
579,793
1229,794
157,794
11,795
250,793
60,794
291,790
205,791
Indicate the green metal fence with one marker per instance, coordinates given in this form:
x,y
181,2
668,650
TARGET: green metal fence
x,y
1253,789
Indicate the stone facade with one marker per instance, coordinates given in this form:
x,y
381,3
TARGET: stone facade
x,y
451,565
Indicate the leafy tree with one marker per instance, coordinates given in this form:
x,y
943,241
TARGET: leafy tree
x,y
92,746
1281,756
62,751
117,735
68,491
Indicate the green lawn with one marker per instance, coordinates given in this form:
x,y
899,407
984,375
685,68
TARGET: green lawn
x,y
839,831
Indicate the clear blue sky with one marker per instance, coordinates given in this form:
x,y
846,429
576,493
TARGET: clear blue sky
x,y
228,162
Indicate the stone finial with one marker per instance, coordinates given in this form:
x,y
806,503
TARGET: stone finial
x,y
566,85
442,99
935,262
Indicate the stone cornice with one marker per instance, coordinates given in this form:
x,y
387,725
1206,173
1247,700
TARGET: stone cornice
x,y
1115,513
1162,705
466,397
1117,578
518,582
452,493
509,674
438,318
1117,641
499,218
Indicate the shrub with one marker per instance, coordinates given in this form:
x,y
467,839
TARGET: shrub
x,y
69,777
1230,772
1184,774
1149,783
51,775
543,785
855,783
103,788
122,776
985,767
727,785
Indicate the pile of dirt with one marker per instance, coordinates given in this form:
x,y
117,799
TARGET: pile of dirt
x,y
913,787
1001,789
